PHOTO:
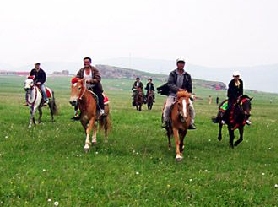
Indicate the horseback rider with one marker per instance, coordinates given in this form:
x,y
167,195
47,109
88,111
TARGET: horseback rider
x,y
39,78
150,88
178,79
235,90
136,85
92,78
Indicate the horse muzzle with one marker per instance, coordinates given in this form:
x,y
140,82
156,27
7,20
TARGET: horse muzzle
x,y
73,103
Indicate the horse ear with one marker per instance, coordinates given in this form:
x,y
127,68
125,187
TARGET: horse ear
x,y
251,98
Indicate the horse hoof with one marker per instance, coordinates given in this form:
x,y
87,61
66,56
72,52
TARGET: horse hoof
x,y
86,148
178,158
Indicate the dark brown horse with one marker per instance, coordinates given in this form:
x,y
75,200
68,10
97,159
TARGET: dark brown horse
x,y
150,99
179,121
138,98
235,119
89,115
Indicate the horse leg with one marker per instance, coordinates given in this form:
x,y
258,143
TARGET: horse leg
x,y
51,105
94,136
32,116
241,129
168,132
182,136
232,137
40,114
177,140
220,131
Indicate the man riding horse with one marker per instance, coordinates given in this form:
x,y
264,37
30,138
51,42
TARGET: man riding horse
x,y
150,88
235,91
92,78
178,79
136,85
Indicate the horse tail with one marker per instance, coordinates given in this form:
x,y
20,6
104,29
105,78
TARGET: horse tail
x,y
105,121
53,106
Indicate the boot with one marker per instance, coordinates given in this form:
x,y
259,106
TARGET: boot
x,y
192,126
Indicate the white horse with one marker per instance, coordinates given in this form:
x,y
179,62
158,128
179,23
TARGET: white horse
x,y
34,99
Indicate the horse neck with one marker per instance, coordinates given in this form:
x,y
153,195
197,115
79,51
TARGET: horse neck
x,y
32,96
86,99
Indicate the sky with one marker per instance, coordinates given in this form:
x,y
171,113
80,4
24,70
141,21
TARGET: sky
x,y
212,33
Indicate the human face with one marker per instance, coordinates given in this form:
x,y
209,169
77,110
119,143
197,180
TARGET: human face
x,y
37,66
236,77
180,65
87,63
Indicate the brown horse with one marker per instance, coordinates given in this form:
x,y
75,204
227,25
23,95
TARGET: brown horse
x,y
89,115
150,99
138,98
179,121
235,119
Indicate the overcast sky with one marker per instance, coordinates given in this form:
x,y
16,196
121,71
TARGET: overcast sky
x,y
213,33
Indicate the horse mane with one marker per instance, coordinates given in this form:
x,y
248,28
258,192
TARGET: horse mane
x,y
245,96
182,93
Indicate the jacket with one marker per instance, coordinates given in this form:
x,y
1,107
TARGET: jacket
x,y
235,91
40,75
95,78
186,85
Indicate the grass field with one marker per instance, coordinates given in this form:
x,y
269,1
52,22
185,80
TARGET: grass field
x,y
46,165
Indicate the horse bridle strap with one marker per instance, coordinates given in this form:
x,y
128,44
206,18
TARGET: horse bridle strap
x,y
32,103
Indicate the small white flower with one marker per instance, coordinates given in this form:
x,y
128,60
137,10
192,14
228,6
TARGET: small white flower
x,y
56,203
96,153
44,170
209,140
6,137
49,199
262,173
133,151
190,180
276,186
137,173
269,148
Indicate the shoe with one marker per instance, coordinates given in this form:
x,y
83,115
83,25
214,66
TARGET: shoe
x,y
192,126
248,122
102,112
223,122
26,104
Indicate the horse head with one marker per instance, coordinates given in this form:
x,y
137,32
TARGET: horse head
x,y
245,105
29,84
77,90
183,102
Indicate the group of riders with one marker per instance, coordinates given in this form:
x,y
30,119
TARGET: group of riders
x,y
138,85
178,79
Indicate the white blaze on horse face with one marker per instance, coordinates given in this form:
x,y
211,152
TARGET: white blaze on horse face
x,y
184,108
74,92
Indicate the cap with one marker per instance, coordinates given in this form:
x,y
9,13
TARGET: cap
x,y
180,60
37,63
236,73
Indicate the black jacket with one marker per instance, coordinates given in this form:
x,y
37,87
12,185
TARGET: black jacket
x,y
40,75
149,86
235,91
172,82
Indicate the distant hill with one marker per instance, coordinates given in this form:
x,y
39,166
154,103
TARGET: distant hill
x,y
125,73
260,78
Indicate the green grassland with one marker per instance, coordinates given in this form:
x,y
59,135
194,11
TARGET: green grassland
x,y
47,163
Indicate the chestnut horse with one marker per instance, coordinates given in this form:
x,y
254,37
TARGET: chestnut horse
x,y
150,99
236,120
138,98
33,98
89,113
179,121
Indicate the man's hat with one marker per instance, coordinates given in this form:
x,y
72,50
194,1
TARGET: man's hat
x,y
180,60
37,63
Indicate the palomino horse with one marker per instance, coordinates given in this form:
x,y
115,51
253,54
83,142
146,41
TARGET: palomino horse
x,y
235,119
150,99
87,104
138,98
34,99
179,121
